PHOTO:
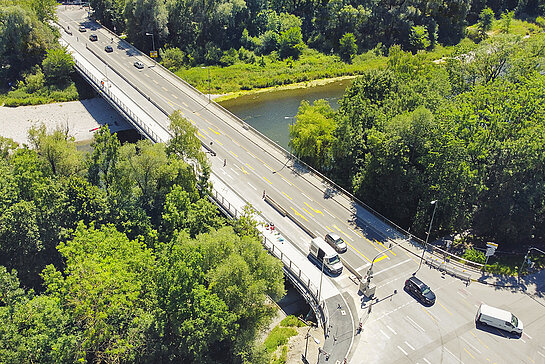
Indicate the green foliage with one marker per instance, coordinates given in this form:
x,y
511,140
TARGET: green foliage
x,y
290,43
312,135
172,58
419,38
278,336
347,47
506,19
474,255
292,321
486,17
57,66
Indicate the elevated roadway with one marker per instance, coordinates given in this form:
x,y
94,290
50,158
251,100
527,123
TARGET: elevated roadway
x,y
246,166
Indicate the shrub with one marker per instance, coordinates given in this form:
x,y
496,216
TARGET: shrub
x,y
474,255
173,58
292,321
278,336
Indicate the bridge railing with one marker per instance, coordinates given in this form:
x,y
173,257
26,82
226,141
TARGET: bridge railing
x,y
295,273
103,88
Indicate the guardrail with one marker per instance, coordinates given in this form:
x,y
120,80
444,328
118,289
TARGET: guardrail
x,y
103,88
296,275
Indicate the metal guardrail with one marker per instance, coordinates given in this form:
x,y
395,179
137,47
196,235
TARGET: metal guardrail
x,y
102,88
295,273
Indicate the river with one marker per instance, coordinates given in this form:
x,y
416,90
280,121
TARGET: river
x,y
272,112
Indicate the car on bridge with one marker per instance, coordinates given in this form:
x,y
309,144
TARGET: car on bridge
x,y
82,28
336,242
420,290
138,65
108,48
93,38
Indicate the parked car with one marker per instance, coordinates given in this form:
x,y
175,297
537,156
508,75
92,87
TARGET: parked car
x,y
498,318
93,38
336,242
138,65
421,291
108,49
82,29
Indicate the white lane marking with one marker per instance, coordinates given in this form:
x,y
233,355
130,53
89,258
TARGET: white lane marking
x,y
392,330
409,345
521,339
447,350
327,212
393,266
234,171
252,186
471,346
400,348
529,337
383,333
415,324
426,360
540,353
306,196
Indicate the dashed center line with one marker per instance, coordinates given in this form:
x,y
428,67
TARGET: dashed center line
x,y
392,330
252,186
417,326
383,333
400,348
409,345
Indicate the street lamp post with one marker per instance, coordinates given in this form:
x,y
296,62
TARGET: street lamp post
x,y
434,202
306,345
153,43
526,257
321,277
208,83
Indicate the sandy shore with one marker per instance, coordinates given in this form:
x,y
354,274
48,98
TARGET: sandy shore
x,y
79,116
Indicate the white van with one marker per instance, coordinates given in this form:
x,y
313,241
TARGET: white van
x,y
500,319
324,253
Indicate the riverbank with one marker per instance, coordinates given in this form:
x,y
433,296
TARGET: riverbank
x,y
79,117
294,86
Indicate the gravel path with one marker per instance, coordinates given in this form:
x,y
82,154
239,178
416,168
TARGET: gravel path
x,y
79,116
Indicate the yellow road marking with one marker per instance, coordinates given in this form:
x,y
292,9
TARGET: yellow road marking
x,y
234,141
176,98
233,153
444,308
297,213
196,113
266,165
252,154
482,343
198,133
335,226
267,180
328,228
243,170
469,353
307,211
249,166
429,314
217,141
204,131
385,247
381,258
183,102
285,194
213,131
360,253
316,211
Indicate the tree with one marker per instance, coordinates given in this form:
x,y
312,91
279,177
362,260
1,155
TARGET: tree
x,y
184,141
291,43
102,163
106,289
312,135
173,58
419,38
45,9
485,22
348,47
506,18
146,16
58,65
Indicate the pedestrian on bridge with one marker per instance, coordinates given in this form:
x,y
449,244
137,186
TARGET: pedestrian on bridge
x,y
224,162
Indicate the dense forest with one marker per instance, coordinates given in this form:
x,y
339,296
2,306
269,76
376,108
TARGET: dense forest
x,y
468,132
117,255
214,31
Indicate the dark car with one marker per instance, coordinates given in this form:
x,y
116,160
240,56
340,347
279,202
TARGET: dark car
x,y
422,292
138,65
82,28
93,38
108,49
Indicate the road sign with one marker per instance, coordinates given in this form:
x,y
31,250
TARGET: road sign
x,y
491,245
153,54
491,248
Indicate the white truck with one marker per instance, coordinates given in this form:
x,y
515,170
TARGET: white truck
x,y
326,255
498,318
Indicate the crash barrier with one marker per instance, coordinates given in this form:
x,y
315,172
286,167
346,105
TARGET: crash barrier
x,y
300,280
103,89
444,266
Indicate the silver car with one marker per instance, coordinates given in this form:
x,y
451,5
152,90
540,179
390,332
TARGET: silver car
x,y
139,65
336,242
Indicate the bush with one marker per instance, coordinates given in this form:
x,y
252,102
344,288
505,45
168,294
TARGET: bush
x,y
474,255
540,21
292,321
278,336
173,58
